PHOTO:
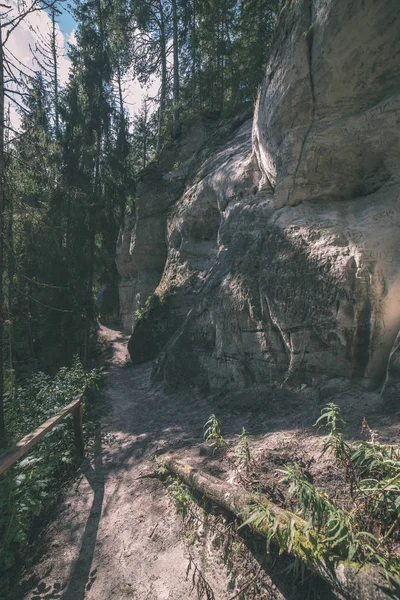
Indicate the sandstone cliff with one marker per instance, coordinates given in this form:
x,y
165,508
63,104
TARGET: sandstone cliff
x,y
270,247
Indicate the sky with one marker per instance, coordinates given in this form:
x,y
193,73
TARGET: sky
x,y
66,21
21,45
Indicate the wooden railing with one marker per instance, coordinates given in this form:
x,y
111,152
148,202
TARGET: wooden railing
x,y
30,440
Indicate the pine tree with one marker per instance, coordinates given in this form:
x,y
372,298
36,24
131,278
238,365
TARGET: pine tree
x,y
144,135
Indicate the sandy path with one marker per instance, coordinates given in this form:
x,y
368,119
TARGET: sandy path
x,y
116,536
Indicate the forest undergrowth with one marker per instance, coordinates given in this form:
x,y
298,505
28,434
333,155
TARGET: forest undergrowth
x,y
354,519
27,488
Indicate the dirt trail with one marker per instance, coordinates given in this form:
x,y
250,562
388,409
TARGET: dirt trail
x,y
115,535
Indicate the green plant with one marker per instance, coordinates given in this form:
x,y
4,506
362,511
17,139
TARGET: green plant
x,y
332,420
152,302
180,495
212,433
308,33
28,486
373,469
242,450
321,529
366,532
160,467
191,535
337,526
280,528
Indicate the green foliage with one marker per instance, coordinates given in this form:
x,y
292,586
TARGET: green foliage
x,y
242,450
152,302
160,467
28,486
280,529
212,433
374,459
70,175
223,48
180,495
43,396
331,419
331,533
340,539
143,136
308,33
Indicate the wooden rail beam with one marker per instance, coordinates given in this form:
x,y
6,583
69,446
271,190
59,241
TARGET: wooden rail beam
x,y
30,440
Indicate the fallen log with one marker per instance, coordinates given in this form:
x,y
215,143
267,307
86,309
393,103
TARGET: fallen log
x,y
351,581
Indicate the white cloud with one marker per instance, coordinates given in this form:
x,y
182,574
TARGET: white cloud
x,y
71,39
20,49
134,94
21,46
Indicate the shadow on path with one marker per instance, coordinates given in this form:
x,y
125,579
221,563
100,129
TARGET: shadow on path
x,y
82,577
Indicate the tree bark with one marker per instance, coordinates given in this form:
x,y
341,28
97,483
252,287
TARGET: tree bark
x,y
96,198
53,45
121,100
163,92
145,134
123,147
10,277
2,208
176,125
194,58
352,581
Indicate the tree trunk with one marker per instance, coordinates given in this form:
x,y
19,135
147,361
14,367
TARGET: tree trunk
x,y
10,277
95,202
123,146
176,125
163,93
53,45
145,133
29,295
92,236
9,236
121,100
194,58
2,206
89,297
350,580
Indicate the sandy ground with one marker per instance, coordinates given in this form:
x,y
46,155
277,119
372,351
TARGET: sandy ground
x,y
116,535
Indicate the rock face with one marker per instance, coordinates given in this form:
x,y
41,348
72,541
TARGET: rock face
x,y
142,245
276,256
327,123
391,387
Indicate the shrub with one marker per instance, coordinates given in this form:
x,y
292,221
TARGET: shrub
x,y
27,487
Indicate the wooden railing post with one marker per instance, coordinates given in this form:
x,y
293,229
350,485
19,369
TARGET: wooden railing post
x,y
78,432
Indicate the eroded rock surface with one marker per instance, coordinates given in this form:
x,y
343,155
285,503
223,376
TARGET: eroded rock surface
x,y
277,254
142,245
327,121
391,387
